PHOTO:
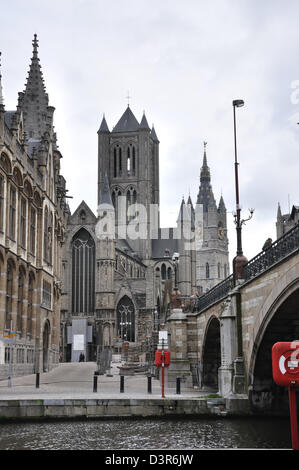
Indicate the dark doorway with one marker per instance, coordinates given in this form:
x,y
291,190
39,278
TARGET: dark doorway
x,y
211,356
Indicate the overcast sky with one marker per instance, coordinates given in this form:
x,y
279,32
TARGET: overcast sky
x,y
183,62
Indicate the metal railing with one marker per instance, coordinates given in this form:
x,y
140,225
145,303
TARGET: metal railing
x,y
215,294
280,249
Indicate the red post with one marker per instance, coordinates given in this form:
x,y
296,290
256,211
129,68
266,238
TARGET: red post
x,y
293,417
163,360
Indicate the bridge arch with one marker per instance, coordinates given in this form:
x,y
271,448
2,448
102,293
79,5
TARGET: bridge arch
x,y
278,321
211,354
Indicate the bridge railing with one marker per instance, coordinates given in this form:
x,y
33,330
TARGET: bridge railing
x,y
282,247
215,294
279,249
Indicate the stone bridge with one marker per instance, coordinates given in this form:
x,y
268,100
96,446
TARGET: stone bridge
x,y
232,329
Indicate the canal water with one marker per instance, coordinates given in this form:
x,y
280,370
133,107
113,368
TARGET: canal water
x,y
136,434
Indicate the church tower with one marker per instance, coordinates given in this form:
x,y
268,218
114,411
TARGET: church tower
x,y
105,264
212,264
129,155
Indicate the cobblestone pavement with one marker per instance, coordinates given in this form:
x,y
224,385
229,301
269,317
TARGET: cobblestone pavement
x,y
75,380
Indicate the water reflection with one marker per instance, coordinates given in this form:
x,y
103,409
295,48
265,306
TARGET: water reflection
x,y
147,434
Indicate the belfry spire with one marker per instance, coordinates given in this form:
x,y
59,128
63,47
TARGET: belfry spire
x,y
205,195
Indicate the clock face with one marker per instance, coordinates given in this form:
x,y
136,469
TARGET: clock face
x,y
221,233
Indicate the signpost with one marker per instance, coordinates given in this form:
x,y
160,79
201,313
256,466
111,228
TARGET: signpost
x,y
162,356
285,365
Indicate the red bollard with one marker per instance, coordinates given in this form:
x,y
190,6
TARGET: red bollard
x,y
162,359
163,396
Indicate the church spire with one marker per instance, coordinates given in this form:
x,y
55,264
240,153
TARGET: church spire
x,y
154,135
144,123
205,195
36,100
104,126
279,214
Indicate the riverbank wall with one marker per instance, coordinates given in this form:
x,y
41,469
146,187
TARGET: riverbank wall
x,y
63,408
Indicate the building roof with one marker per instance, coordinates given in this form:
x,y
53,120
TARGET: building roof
x,y
8,117
127,123
104,126
154,135
144,123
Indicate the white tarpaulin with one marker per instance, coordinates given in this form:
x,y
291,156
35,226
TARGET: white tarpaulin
x,y
78,342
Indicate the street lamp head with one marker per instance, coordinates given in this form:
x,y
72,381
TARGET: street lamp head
x,y
238,103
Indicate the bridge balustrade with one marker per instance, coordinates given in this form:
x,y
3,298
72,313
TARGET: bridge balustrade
x,y
280,249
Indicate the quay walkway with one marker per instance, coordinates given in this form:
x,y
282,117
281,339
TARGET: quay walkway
x,y
67,391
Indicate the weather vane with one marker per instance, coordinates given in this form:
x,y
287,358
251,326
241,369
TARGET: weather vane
x,y
128,98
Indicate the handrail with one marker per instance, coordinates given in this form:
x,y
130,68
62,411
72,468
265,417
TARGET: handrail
x,y
278,250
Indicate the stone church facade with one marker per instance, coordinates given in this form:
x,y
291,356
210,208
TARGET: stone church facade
x,y
82,282
118,281
33,215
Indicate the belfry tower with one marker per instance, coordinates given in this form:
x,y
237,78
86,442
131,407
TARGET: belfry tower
x,y
212,264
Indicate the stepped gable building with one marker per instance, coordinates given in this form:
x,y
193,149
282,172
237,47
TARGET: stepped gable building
x,y
117,286
33,214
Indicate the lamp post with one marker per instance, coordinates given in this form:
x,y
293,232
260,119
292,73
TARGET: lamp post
x,y
237,104
239,260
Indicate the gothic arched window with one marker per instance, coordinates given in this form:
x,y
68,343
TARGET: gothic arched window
x,y
207,271
30,303
21,280
83,272
115,163
126,319
119,162
9,292
128,161
163,272
46,221
134,162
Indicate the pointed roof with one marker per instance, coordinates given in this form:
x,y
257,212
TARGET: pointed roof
x,y
36,99
144,123
221,206
154,135
190,205
82,207
279,215
127,123
182,211
105,196
104,126
1,91
185,212
205,195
